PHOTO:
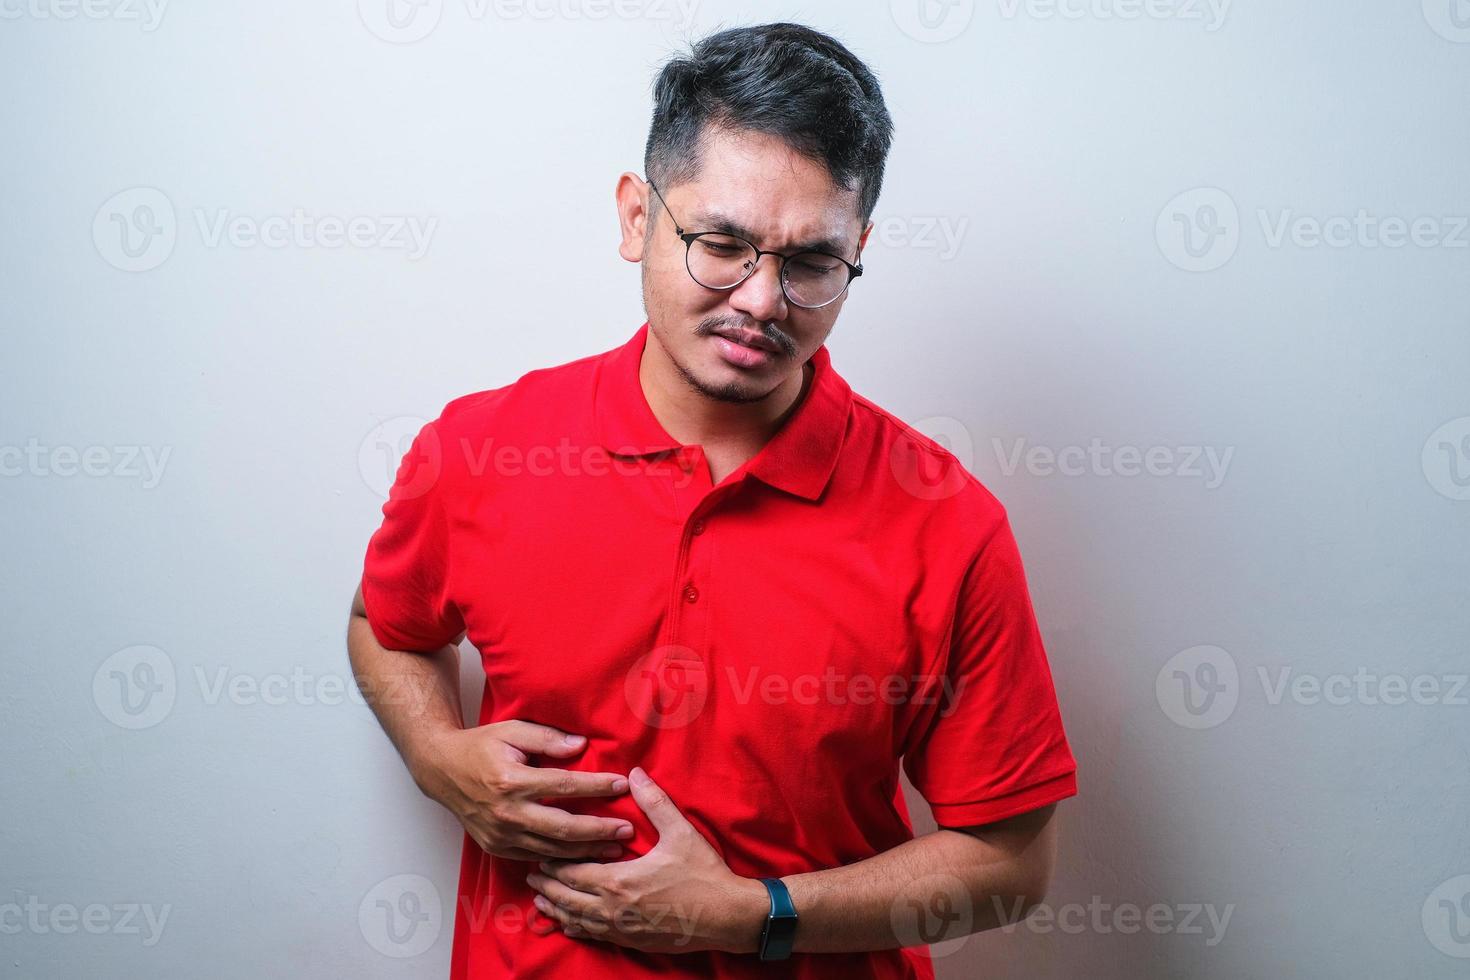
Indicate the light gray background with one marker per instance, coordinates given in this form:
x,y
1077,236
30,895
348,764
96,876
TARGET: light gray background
x,y
271,386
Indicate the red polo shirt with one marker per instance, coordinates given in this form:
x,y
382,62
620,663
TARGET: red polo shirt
x,y
770,648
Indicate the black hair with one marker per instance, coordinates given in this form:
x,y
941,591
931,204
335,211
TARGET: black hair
x,y
784,80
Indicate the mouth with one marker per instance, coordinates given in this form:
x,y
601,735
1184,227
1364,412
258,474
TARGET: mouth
x,y
744,350
750,339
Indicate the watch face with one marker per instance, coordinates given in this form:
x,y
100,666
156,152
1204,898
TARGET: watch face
x,y
777,937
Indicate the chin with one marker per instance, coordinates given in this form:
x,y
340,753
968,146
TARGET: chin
x,y
723,382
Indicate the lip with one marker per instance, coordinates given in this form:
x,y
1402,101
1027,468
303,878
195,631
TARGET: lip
x,y
748,338
741,356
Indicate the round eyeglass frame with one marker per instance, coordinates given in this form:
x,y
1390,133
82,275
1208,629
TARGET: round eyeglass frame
x,y
689,238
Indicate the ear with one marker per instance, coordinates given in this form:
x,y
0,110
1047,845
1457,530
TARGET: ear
x,y
632,196
863,238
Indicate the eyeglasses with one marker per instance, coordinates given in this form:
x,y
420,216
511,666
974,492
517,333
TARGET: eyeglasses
x,y
717,260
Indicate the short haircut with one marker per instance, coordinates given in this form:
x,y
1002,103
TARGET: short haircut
x,y
784,80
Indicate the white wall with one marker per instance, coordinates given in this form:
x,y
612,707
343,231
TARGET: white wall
x,y
1331,540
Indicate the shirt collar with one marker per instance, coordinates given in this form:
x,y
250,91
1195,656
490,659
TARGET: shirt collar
x,y
799,458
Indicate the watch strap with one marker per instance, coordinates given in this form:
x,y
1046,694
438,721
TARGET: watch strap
x,y
779,933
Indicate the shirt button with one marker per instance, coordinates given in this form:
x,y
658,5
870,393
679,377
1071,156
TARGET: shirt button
x,y
698,528
691,594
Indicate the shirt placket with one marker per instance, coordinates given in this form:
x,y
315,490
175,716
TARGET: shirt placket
x,y
689,605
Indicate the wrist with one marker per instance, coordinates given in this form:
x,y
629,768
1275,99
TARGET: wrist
x,y
749,907
428,760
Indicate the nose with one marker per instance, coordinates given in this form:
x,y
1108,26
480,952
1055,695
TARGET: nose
x,y
760,296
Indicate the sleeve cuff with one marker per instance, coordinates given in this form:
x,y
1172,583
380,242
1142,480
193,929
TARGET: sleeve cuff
x,y
999,808
389,638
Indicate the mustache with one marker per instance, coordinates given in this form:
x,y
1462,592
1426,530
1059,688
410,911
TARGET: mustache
x,y
785,344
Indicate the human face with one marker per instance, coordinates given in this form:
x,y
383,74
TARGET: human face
x,y
756,186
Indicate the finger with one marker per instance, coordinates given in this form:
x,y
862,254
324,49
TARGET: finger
x,y
570,924
532,849
565,783
567,899
582,876
517,854
573,923
551,910
653,801
535,739
558,824
547,849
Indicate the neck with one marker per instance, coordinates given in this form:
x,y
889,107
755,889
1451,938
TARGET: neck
x,y
694,418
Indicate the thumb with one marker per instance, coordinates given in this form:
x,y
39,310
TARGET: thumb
x,y
654,802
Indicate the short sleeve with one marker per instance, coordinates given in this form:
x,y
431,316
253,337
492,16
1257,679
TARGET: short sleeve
x,y
995,746
405,578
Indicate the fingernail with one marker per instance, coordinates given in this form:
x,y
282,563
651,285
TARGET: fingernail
x,y
639,777
619,785
573,739
625,831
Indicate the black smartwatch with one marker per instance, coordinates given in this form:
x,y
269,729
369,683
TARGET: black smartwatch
x,y
779,933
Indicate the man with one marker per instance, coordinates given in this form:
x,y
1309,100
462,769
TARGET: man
x,y
719,597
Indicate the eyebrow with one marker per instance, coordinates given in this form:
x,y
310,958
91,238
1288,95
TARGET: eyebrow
x,y
725,225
